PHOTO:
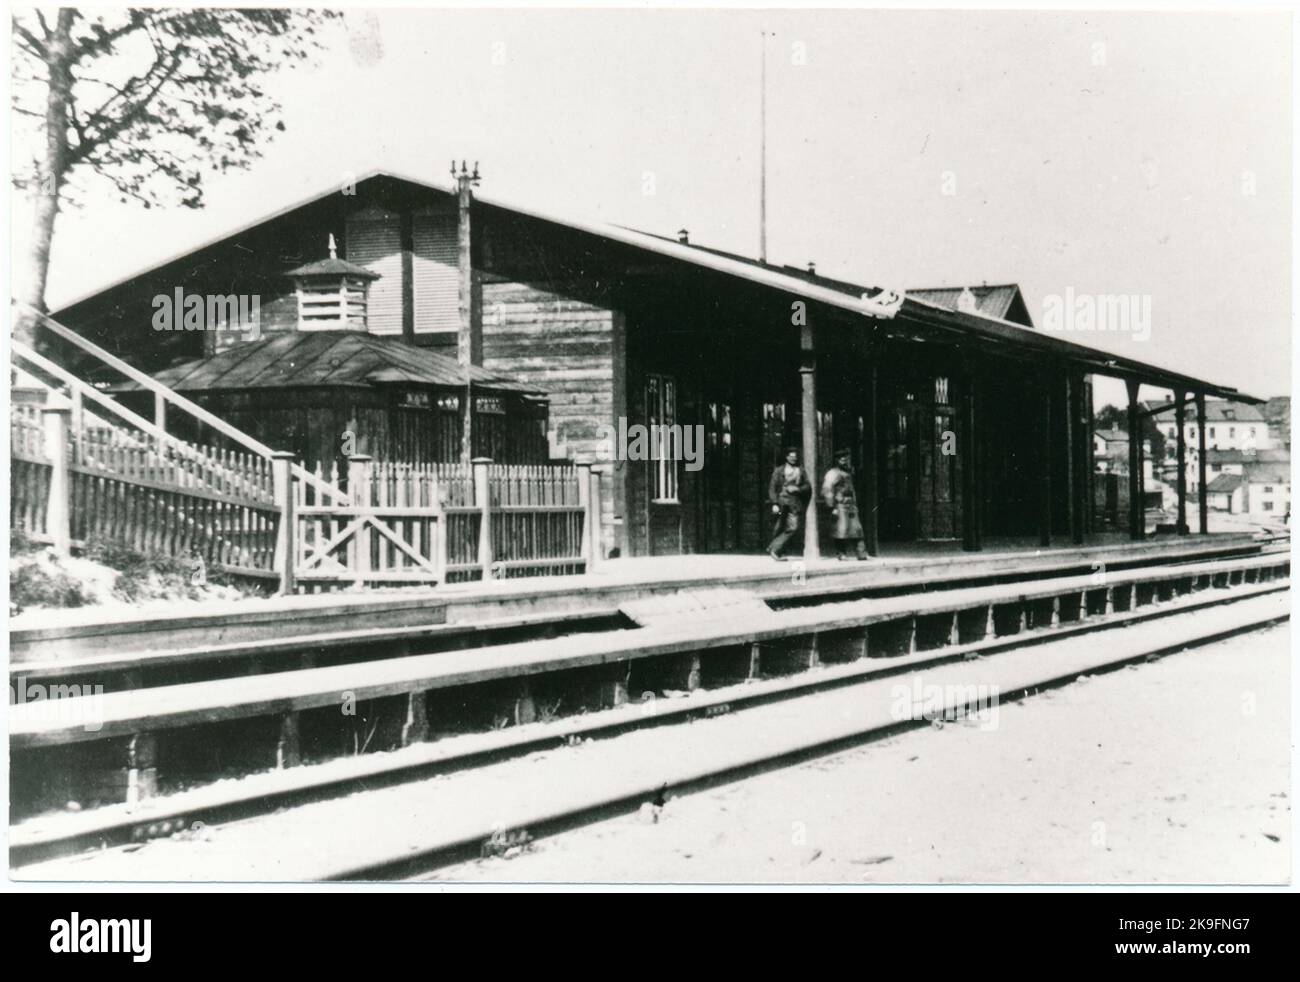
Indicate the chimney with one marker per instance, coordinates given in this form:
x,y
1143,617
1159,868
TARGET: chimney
x,y
469,338
812,268
683,236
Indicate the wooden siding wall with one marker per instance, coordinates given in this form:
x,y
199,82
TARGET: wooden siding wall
x,y
550,317
311,424
569,348
374,240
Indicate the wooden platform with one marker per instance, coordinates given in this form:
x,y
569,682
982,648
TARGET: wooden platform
x,y
48,635
1042,603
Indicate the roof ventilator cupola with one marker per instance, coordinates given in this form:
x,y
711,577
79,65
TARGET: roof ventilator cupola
x,y
332,293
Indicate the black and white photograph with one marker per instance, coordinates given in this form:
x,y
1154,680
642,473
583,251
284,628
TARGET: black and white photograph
x,y
599,448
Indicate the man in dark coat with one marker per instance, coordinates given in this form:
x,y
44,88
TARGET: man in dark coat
x,y
787,492
839,494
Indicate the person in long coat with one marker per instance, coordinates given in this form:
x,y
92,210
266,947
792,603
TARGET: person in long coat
x,y
788,492
841,497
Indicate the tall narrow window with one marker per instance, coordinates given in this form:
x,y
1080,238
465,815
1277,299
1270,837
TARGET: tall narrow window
x,y
665,439
941,390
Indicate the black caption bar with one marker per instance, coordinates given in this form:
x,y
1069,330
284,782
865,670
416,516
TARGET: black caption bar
x,y
346,931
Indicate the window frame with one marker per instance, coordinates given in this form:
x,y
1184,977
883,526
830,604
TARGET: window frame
x,y
661,410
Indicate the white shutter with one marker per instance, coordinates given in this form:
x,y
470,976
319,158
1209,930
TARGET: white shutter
x,y
375,242
437,282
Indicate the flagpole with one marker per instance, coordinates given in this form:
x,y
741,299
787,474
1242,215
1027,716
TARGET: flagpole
x,y
762,158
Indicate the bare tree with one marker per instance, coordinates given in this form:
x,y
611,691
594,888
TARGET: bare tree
x,y
148,100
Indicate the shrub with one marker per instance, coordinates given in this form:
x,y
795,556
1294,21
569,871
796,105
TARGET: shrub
x,y
34,585
21,543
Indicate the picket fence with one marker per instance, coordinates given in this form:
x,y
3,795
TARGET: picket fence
x,y
84,467
354,522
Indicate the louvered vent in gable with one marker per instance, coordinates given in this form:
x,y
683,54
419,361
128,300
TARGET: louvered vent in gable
x,y
437,284
374,240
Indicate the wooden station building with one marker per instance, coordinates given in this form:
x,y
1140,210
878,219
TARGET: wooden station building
x,y
966,423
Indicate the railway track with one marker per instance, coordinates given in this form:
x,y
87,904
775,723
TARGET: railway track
x,y
1164,612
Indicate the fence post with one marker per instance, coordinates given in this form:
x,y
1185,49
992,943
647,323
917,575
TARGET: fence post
x,y
596,533
359,492
78,415
584,499
286,548
483,499
57,517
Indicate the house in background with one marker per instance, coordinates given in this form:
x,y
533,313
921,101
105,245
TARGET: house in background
x,y
1277,411
1228,426
1235,461
1260,490
1231,428
1110,451
1268,490
1227,492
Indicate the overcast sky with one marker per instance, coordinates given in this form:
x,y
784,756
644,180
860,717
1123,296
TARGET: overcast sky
x,y
1143,154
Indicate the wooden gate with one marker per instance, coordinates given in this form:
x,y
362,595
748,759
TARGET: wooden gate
x,y
385,524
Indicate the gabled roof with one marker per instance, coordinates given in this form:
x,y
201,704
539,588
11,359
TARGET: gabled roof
x,y
1266,473
871,303
1224,483
1213,456
1216,411
1003,301
1278,406
1112,436
1216,456
325,358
